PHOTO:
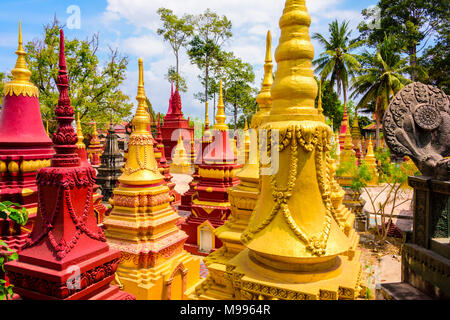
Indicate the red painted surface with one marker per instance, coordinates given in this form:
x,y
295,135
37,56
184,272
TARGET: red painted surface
x,y
343,129
66,240
218,155
173,121
22,138
165,167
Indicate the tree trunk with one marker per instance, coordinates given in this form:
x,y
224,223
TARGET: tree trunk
x,y
235,115
178,71
206,85
413,62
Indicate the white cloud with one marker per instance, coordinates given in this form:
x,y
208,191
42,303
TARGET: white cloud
x,y
251,19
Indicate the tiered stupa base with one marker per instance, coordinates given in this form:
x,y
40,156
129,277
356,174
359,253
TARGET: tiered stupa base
x,y
252,280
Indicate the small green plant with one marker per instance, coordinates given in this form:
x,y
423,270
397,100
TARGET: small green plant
x,y
14,212
6,289
392,177
18,214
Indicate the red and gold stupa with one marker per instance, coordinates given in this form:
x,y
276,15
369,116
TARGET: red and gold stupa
x,y
24,145
142,224
210,204
344,127
95,149
66,257
173,123
164,167
186,198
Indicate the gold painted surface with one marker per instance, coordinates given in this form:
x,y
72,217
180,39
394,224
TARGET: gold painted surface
x,y
180,162
21,85
80,143
142,224
298,245
220,117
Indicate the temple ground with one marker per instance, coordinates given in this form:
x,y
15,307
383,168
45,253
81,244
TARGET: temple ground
x,y
381,264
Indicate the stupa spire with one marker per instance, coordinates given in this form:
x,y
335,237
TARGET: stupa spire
x,y
319,103
220,117
65,138
295,89
80,143
207,116
264,98
141,119
21,85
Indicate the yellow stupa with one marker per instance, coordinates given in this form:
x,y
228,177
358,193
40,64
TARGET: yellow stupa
x,y
142,224
371,161
180,161
243,198
295,248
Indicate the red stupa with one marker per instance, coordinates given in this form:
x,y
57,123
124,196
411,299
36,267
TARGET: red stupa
x,y
210,205
174,121
66,242
24,147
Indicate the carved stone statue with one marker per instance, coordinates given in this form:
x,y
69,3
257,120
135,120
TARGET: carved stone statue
x,y
417,124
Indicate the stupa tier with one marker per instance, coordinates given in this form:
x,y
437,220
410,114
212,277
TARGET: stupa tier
x,y
210,205
296,246
142,224
66,237
174,124
24,144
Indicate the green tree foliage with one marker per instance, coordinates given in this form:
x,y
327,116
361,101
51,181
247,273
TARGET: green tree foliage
x,y
178,32
380,78
436,61
2,86
239,96
411,22
18,214
337,61
94,90
210,33
180,82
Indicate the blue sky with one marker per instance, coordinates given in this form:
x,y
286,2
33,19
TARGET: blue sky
x,y
131,25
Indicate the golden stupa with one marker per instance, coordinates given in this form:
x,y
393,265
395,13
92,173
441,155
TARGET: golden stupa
x,y
142,224
371,161
180,161
295,247
243,197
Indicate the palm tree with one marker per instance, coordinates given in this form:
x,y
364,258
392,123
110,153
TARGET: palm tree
x,y
380,78
337,59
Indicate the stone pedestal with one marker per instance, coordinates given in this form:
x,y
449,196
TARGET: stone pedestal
x,y
426,256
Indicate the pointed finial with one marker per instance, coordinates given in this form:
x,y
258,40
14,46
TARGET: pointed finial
x,y
21,85
294,91
246,125
46,128
319,103
141,120
207,115
220,117
264,98
80,143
